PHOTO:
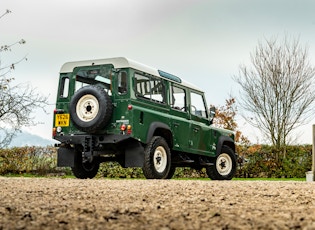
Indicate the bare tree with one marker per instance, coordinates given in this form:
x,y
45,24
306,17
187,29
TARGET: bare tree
x,y
278,88
4,70
17,102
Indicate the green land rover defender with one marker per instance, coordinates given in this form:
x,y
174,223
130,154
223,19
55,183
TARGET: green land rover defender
x,y
119,110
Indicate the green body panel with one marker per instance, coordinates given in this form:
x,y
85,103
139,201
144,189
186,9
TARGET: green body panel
x,y
188,133
180,125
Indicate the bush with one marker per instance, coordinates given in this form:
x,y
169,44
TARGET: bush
x,y
259,161
34,160
114,170
265,161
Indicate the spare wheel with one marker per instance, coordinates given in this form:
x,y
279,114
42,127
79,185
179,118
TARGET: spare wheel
x,y
90,108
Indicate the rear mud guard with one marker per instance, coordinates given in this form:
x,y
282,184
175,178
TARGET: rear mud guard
x,y
65,157
134,155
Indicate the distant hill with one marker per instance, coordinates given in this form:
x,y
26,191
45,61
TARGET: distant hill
x,y
28,139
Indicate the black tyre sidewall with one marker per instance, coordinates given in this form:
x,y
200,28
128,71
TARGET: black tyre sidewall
x,y
104,113
148,169
171,172
212,171
84,170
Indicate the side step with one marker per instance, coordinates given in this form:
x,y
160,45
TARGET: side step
x,y
205,162
182,158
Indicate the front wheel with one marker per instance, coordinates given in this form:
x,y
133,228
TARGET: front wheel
x,y
224,166
157,159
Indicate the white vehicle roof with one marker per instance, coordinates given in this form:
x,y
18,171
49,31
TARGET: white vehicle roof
x,y
122,62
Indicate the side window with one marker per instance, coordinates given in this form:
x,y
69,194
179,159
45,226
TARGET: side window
x,y
142,86
64,87
122,83
197,106
151,88
178,98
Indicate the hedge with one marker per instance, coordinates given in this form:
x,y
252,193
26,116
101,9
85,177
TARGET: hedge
x,y
254,161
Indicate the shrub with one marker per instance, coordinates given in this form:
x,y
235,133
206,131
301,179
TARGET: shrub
x,y
114,170
259,161
36,160
265,161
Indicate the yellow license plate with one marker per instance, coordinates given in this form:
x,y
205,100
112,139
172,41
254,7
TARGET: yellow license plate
x,y
62,120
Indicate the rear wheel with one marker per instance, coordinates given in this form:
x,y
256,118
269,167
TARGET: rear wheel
x,y
157,159
224,166
84,170
171,172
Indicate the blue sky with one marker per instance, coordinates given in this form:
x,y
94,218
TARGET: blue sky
x,y
201,41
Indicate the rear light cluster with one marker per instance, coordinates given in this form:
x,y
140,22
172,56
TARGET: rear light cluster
x,y
126,128
54,132
58,129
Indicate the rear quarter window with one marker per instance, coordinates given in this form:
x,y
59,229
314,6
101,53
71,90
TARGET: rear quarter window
x,y
150,87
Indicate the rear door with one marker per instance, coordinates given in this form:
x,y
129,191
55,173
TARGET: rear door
x,y
179,117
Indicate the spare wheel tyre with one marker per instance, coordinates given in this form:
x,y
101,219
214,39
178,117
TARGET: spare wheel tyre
x,y
90,108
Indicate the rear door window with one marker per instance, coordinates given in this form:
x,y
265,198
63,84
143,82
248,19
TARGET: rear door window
x,y
101,76
178,98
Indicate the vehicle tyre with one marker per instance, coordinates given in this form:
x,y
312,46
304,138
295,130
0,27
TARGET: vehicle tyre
x,y
157,159
90,108
224,166
171,172
84,170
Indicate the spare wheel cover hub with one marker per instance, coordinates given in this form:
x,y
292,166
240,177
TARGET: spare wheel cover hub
x,y
87,108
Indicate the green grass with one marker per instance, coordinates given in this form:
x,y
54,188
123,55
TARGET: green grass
x,y
30,175
182,178
271,179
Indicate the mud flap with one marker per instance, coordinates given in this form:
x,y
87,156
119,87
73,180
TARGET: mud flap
x,y
134,155
65,157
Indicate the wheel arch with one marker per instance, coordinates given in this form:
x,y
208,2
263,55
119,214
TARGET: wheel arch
x,y
225,140
160,129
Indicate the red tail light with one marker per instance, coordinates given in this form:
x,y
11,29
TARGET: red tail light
x,y
54,132
123,127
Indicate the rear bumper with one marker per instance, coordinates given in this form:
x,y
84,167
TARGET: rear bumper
x,y
126,150
98,139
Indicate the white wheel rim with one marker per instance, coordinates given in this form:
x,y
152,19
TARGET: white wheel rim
x,y
224,164
160,159
87,108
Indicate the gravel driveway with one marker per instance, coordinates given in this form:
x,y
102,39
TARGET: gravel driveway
x,y
53,203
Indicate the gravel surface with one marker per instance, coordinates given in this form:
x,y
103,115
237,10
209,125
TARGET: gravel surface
x,y
53,203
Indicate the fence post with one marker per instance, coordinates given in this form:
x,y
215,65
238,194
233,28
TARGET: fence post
x,y
313,153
